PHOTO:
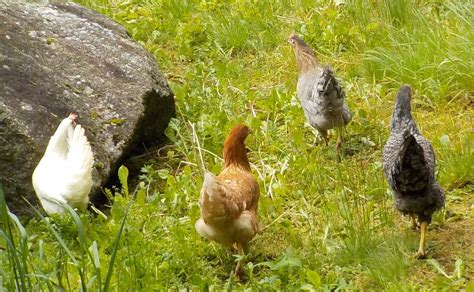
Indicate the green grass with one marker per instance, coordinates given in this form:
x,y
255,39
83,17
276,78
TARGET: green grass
x,y
328,225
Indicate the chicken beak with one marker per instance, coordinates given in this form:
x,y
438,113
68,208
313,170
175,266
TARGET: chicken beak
x,y
73,116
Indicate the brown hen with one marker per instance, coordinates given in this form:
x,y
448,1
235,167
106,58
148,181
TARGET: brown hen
x,y
229,201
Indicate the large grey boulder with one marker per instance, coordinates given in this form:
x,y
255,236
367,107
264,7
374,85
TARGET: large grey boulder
x,y
58,58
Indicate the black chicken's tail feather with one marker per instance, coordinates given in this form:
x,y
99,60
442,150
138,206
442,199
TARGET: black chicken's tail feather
x,y
414,172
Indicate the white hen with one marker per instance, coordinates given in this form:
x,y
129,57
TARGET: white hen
x,y
64,174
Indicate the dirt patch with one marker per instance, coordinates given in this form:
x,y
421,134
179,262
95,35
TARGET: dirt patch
x,y
455,239
451,240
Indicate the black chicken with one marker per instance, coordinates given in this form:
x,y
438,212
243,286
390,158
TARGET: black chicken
x,y
409,166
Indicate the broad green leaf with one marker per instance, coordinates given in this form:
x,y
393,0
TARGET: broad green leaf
x,y
458,269
314,278
123,177
438,267
444,140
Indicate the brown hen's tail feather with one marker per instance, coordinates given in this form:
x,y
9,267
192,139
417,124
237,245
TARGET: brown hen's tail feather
x,y
207,187
234,152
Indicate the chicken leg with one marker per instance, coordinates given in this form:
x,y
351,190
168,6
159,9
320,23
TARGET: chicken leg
x,y
339,132
238,268
414,224
421,254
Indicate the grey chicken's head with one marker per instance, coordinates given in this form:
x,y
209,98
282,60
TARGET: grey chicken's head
x,y
305,56
402,111
295,40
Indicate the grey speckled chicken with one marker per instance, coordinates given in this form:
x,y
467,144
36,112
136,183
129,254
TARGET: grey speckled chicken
x,y
320,94
409,166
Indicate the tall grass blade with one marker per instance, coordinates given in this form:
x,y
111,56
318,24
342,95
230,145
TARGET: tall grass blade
x,y
15,264
95,253
123,174
83,243
62,244
24,246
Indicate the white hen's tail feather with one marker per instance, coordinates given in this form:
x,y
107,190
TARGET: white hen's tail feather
x,y
64,174
79,160
80,153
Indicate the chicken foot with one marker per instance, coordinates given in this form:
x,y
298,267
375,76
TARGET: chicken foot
x,y
324,136
421,254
